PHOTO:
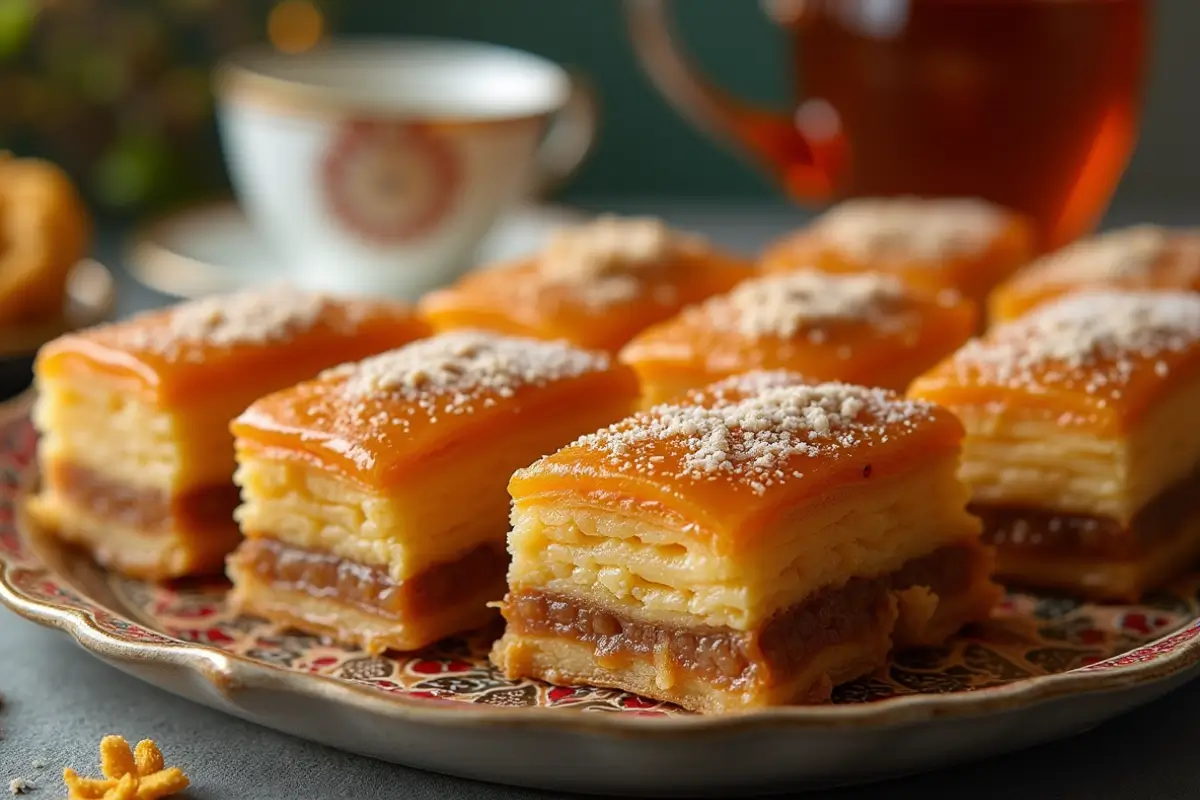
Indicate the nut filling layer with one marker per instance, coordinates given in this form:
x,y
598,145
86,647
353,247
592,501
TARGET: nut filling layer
x,y
369,588
148,510
1086,536
731,658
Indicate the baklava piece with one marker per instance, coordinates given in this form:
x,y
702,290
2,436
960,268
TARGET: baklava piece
x,y
964,244
755,544
136,454
374,502
1083,440
869,329
1140,258
594,285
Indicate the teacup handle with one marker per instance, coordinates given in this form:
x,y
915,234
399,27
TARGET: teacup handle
x,y
569,138
808,165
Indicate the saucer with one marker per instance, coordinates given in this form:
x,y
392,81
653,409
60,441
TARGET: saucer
x,y
213,248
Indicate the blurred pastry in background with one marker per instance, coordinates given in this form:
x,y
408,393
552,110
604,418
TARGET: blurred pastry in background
x,y
45,230
964,244
1136,258
595,285
870,329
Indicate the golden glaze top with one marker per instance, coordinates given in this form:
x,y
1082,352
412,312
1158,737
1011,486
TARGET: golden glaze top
x,y
730,459
1096,358
383,417
595,285
829,327
962,244
246,343
1139,257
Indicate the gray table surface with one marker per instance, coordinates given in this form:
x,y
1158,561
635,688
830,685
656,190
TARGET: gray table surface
x,y
58,701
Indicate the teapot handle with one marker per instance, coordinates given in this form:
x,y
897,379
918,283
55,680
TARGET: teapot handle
x,y
807,162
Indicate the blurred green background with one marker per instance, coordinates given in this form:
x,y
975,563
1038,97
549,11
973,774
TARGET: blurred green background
x,y
118,92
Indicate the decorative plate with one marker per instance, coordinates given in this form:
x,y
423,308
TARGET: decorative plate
x,y
1045,667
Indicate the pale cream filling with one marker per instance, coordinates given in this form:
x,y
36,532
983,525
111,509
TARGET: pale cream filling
x,y
628,561
125,440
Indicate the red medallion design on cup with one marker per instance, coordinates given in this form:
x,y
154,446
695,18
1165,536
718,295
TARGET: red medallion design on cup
x,y
390,182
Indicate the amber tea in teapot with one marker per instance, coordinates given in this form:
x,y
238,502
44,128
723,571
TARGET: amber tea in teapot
x,y
1029,103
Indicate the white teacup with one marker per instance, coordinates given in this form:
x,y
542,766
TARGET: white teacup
x,y
377,166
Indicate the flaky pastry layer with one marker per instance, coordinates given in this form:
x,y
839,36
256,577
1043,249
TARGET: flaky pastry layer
x,y
622,555
373,632
453,503
133,442
155,555
1018,456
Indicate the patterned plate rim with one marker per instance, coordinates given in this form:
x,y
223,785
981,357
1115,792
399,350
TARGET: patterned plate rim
x,y
232,673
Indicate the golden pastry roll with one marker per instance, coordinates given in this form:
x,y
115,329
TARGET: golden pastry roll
x,y
869,329
1083,447
964,244
136,455
374,497
753,543
1137,258
595,285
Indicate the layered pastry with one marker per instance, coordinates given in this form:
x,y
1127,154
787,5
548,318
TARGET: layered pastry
x,y
374,497
1083,442
868,328
963,244
755,543
594,285
136,454
1143,257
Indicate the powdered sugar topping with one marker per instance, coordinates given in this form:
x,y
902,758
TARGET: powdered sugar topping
x,y
784,305
457,372
932,229
753,428
255,317
1095,339
606,261
1113,256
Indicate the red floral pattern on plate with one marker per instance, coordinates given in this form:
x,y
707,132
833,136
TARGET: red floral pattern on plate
x,y
1030,635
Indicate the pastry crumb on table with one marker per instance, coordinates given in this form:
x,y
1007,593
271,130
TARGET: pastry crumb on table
x,y
129,774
